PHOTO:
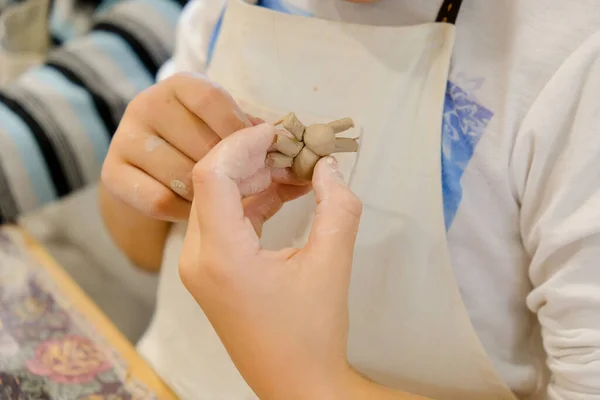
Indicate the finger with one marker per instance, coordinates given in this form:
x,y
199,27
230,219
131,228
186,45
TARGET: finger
x,y
175,123
153,155
260,208
209,102
337,217
286,176
218,198
264,177
144,193
257,183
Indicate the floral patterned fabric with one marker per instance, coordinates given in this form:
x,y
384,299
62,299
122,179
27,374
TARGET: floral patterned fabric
x,y
47,350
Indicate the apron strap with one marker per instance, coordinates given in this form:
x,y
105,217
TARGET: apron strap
x,y
449,11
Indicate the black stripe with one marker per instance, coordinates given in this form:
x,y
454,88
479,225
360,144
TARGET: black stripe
x,y
142,53
9,209
49,153
41,110
182,3
100,103
55,40
449,11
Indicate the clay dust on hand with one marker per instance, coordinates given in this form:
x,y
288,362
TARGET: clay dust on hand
x,y
309,144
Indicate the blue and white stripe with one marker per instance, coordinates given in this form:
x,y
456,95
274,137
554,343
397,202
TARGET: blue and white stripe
x,y
56,120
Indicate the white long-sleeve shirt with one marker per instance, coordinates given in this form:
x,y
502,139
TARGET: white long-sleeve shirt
x,y
520,175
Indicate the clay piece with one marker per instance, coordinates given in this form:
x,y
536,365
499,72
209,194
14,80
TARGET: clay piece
x,y
307,144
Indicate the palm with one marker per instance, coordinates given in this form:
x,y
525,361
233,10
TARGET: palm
x,y
262,206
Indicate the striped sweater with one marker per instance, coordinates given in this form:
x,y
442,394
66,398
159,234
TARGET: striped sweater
x,y
57,118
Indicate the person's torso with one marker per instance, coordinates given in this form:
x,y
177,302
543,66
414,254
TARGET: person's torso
x,y
505,52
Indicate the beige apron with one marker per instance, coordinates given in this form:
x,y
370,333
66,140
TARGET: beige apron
x,y
409,328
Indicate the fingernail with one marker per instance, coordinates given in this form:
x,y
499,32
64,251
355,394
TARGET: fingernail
x,y
255,120
179,187
334,169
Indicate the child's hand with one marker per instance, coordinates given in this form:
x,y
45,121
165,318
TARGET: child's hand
x,y
164,132
282,315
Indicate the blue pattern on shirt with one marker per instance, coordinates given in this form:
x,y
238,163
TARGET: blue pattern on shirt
x,y
464,122
283,6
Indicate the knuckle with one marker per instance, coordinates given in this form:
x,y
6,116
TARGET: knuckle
x,y
109,174
125,139
207,97
177,78
205,92
208,94
185,78
160,205
141,104
181,79
106,175
200,174
157,97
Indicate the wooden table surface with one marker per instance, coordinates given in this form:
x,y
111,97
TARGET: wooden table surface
x,y
136,368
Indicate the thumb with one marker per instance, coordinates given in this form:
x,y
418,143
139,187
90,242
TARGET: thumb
x,y
338,212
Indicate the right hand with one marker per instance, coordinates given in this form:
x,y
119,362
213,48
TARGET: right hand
x,y
282,315
164,132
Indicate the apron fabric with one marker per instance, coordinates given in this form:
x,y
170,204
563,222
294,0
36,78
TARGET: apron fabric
x,y
409,328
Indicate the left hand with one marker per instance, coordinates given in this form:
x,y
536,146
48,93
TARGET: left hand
x,y
282,315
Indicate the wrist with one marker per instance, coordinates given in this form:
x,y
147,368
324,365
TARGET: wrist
x,y
140,238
